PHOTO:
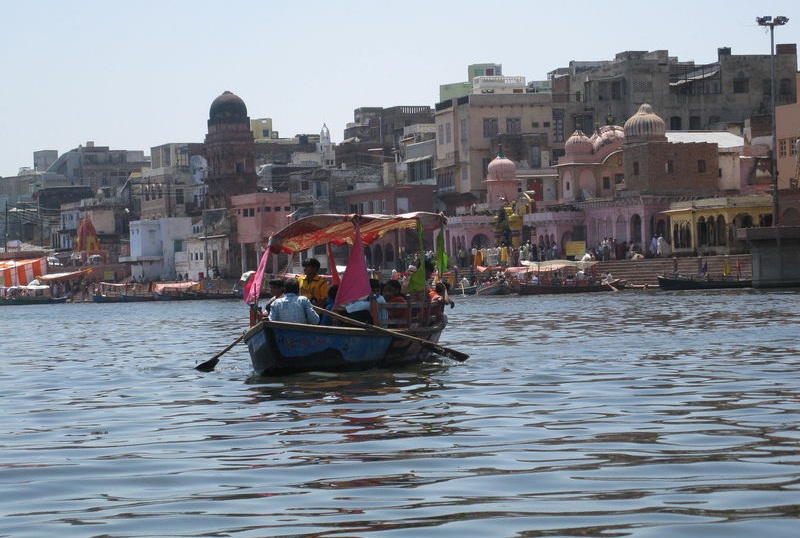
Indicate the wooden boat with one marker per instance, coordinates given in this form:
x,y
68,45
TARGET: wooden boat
x,y
701,282
28,295
497,287
112,292
279,348
569,286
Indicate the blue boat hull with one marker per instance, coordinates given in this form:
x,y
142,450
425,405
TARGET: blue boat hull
x,y
283,348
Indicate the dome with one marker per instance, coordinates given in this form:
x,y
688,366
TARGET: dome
x,y
645,125
228,108
608,138
578,144
501,168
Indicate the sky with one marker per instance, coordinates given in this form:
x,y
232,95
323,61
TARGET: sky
x,y
133,74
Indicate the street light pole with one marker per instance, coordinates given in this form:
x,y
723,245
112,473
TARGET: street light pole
x,y
765,21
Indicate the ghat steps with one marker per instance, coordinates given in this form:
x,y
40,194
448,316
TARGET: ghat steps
x,y
641,272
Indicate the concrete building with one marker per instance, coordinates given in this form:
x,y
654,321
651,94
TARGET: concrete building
x,y
470,129
94,166
454,90
154,245
688,96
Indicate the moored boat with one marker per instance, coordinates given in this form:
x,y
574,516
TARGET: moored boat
x,y
496,287
28,295
279,347
701,282
548,287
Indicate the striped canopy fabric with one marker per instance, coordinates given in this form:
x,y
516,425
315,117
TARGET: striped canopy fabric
x,y
21,272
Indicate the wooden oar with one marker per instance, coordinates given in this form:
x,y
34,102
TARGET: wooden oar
x,y
427,344
607,283
209,365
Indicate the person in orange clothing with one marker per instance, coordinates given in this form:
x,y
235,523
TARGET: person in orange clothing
x,y
397,304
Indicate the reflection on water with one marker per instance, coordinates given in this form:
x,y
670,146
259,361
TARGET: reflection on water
x,y
625,414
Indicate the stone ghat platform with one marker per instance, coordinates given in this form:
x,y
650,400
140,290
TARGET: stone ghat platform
x,y
641,272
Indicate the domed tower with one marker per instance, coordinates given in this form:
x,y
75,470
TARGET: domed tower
x,y
645,126
577,148
502,187
502,184
230,151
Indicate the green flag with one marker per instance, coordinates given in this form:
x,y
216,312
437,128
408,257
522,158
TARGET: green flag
x,y
441,254
417,281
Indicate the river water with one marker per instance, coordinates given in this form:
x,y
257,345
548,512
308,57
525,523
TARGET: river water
x,y
638,413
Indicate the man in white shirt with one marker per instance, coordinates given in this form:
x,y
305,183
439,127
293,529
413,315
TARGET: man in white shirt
x,y
291,307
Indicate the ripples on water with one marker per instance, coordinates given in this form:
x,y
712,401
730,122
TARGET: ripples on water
x,y
647,414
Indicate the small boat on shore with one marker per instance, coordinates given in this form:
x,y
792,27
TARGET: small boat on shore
x,y
28,295
701,282
278,348
548,287
496,287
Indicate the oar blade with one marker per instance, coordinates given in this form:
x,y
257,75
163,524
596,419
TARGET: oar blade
x,y
207,366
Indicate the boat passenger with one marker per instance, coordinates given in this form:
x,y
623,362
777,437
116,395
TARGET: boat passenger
x,y
291,307
312,285
398,305
368,309
329,304
276,289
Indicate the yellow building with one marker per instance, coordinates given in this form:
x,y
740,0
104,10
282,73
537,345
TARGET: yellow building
x,y
708,226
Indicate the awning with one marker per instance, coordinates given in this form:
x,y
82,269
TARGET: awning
x,y
340,229
418,159
21,272
52,277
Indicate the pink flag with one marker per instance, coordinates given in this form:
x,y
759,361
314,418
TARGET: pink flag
x,y
355,283
332,264
252,290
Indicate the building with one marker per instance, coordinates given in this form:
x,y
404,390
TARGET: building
x,y
688,96
454,90
470,129
154,245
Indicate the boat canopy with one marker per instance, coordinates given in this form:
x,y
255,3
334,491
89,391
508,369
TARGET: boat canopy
x,y
557,265
52,277
317,230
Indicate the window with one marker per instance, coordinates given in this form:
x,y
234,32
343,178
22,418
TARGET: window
x,y
701,166
670,166
287,208
695,123
440,134
536,157
277,208
741,85
179,196
489,127
267,209
635,168
616,90
464,131
675,123
448,136
513,125
535,125
619,179
766,87
782,148
606,182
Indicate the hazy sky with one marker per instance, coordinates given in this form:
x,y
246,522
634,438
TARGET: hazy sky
x,y
140,73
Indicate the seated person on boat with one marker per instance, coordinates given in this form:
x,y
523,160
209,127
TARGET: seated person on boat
x,y
367,309
291,307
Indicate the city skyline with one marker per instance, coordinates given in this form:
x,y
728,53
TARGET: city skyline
x,y
141,74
